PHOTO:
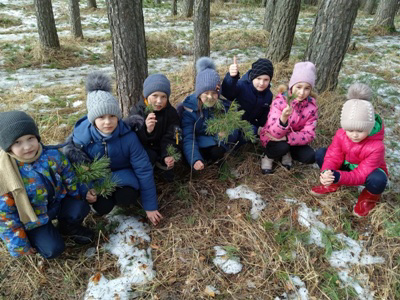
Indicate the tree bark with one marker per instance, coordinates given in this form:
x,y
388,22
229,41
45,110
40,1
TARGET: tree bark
x,y
201,29
46,25
330,39
188,8
75,19
264,3
370,6
283,29
91,4
385,14
129,50
157,2
269,14
174,7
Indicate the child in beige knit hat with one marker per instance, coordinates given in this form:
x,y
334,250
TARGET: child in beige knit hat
x,y
356,155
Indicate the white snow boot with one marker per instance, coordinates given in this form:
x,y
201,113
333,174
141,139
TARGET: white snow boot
x,y
266,164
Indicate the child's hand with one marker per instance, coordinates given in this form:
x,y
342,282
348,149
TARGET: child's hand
x,y
286,112
221,134
274,139
198,165
31,251
326,178
234,68
169,161
91,196
154,216
151,122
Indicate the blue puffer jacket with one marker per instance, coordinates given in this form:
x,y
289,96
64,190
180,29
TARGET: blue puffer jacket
x,y
129,161
255,104
194,126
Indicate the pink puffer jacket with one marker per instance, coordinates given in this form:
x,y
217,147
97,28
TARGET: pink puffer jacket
x,y
301,123
366,156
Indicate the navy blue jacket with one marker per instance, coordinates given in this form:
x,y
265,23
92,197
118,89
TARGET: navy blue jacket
x,y
255,104
130,164
194,129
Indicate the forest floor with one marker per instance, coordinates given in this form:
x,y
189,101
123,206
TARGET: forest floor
x,y
229,232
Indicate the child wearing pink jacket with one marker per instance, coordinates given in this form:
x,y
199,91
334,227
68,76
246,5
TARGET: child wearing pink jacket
x,y
290,127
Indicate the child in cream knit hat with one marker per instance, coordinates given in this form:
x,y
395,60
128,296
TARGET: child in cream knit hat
x,y
357,153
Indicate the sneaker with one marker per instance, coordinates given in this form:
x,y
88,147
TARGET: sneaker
x,y
266,165
320,190
287,161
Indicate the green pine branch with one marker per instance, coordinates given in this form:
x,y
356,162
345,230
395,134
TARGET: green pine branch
x,y
98,172
173,152
149,109
225,123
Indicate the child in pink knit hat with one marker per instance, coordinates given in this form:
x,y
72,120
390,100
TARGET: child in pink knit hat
x,y
290,125
357,154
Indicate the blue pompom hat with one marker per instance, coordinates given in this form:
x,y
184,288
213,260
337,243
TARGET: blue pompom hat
x,y
207,78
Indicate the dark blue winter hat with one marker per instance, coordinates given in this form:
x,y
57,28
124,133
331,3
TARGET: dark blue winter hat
x,y
100,101
207,77
260,67
13,125
156,83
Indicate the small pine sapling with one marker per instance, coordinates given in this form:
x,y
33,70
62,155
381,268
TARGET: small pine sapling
x,y
98,172
174,153
225,123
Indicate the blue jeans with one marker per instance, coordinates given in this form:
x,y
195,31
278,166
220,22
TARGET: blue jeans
x,y
375,183
46,238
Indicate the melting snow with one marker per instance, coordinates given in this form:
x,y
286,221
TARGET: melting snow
x,y
136,264
243,191
230,265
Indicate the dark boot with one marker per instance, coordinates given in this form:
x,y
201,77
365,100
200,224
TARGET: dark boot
x,y
76,232
366,202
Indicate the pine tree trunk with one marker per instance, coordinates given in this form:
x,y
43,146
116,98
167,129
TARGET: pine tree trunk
x,y
283,29
385,14
46,25
201,28
91,4
75,19
157,2
269,14
370,6
174,7
188,8
330,39
129,50
264,3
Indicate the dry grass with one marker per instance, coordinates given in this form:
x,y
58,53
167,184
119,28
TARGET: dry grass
x,y
199,216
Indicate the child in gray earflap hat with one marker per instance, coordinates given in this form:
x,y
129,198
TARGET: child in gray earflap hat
x,y
36,186
103,133
157,124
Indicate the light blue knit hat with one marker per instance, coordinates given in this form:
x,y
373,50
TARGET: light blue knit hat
x,y
100,101
156,83
207,77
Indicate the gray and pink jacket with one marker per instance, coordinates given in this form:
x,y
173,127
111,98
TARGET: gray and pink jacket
x,y
300,129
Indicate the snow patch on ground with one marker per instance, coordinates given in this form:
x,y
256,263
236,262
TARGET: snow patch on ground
x,y
300,293
128,243
243,191
228,264
353,254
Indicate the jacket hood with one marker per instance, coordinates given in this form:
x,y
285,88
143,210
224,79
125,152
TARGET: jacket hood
x,y
191,102
85,132
378,131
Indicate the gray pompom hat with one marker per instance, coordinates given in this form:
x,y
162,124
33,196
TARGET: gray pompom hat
x,y
100,101
207,78
13,125
156,83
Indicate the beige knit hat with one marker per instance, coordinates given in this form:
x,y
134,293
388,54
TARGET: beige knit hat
x,y
358,112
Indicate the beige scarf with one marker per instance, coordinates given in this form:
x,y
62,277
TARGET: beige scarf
x,y
11,181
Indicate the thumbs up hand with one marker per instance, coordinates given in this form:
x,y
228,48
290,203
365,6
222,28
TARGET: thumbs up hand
x,y
234,68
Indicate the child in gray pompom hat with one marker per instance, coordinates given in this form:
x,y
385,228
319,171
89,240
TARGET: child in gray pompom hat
x,y
103,133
